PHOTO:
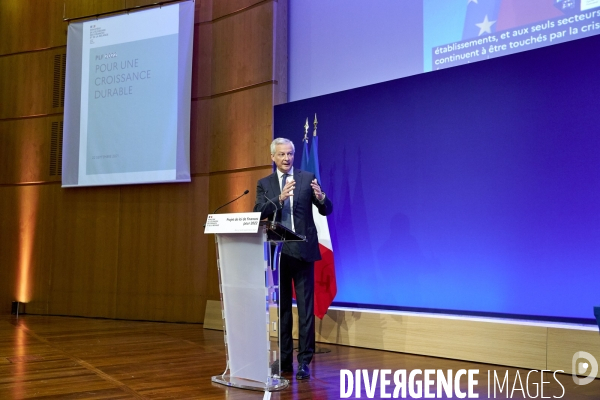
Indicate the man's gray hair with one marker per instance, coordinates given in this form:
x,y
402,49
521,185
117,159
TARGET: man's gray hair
x,y
280,140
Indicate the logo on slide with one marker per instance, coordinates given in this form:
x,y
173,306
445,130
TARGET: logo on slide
x,y
96,31
581,367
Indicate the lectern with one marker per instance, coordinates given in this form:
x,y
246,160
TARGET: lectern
x,y
248,265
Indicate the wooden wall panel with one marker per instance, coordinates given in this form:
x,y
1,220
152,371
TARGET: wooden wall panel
x,y
78,8
228,186
204,11
223,8
135,251
564,343
198,270
27,82
202,61
203,8
9,245
40,201
137,3
212,274
85,252
521,344
213,317
243,49
27,25
487,342
161,276
25,150
200,137
27,245
241,129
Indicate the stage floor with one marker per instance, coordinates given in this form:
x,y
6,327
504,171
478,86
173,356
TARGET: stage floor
x,y
50,357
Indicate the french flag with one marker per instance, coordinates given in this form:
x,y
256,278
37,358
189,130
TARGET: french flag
x,y
325,284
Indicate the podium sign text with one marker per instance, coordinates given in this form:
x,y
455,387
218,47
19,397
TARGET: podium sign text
x,y
232,223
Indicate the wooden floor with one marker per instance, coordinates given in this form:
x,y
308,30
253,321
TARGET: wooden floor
x,y
45,357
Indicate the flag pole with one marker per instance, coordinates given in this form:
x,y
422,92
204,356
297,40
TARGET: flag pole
x,y
304,162
305,165
306,131
318,349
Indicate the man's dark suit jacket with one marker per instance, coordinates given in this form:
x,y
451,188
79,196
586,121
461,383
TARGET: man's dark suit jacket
x,y
304,224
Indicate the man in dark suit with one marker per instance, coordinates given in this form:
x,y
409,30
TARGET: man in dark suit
x,y
291,193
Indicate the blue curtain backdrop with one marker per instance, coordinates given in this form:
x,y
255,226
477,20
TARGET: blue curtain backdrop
x,y
475,188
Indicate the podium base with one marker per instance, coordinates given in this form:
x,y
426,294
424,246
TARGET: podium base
x,y
274,384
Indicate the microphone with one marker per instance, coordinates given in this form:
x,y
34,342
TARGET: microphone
x,y
243,194
276,208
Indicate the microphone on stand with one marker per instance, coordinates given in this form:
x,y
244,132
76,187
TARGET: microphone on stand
x,y
242,195
276,208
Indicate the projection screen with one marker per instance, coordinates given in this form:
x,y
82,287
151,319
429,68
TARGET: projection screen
x,y
127,98
338,45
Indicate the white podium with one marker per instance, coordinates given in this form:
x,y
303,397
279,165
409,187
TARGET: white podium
x,y
248,265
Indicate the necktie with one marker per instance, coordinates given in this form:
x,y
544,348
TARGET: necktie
x,y
286,211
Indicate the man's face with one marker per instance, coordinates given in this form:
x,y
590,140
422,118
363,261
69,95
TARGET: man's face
x,y
283,157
